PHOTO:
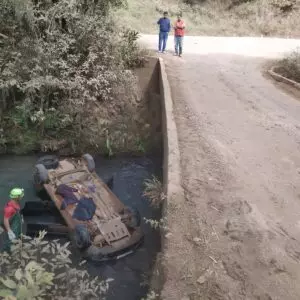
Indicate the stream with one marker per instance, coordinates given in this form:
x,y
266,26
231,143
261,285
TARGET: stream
x,y
131,274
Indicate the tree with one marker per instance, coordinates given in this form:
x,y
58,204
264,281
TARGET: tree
x,y
63,67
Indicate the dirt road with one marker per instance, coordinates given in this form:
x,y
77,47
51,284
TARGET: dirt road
x,y
239,138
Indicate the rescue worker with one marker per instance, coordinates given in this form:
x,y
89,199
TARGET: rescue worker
x,y
12,218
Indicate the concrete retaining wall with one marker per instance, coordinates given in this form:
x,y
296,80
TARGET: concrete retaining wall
x,y
171,177
171,158
150,104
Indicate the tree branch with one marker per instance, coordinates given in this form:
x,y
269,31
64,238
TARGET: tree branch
x,y
3,35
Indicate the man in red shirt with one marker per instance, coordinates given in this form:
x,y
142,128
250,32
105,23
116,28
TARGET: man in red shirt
x,y
12,218
179,28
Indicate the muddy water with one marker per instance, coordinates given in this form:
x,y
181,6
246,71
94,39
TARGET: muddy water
x,y
131,273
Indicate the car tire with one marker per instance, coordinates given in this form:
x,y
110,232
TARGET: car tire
x,y
90,162
81,237
135,217
94,254
49,161
40,174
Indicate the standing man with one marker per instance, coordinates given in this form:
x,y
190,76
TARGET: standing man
x,y
164,29
179,28
12,217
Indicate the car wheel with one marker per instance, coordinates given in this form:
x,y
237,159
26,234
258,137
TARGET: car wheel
x,y
90,162
40,175
49,161
95,254
132,217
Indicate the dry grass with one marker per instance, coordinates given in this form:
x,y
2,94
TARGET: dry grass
x,y
154,191
289,66
218,17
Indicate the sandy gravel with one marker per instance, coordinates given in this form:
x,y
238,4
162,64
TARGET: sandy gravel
x,y
237,233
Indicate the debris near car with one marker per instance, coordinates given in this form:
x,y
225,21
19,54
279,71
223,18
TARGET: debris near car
x,y
98,223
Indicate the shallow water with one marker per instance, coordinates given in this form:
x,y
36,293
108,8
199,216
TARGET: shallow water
x,y
131,273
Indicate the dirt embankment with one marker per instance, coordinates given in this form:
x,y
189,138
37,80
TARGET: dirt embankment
x,y
218,17
287,69
235,235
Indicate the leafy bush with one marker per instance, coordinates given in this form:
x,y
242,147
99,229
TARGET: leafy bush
x,y
38,269
64,71
290,66
129,49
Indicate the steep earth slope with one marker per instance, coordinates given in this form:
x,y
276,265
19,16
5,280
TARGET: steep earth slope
x,y
218,17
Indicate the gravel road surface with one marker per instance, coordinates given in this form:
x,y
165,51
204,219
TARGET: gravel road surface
x,y
239,138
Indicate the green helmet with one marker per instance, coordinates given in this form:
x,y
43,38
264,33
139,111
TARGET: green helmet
x,y
16,193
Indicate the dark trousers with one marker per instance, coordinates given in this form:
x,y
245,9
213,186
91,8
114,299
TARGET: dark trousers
x,y
162,43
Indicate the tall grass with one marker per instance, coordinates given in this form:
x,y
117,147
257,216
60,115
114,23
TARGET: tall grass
x,y
289,66
154,191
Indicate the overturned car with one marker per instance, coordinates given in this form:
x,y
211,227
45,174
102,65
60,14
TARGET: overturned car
x,y
85,208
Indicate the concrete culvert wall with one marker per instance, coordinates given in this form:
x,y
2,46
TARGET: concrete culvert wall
x,y
172,188
149,89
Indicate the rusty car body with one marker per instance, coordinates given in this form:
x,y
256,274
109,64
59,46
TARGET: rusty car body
x,y
114,229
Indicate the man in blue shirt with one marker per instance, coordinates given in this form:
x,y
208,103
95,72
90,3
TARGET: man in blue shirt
x,y
164,29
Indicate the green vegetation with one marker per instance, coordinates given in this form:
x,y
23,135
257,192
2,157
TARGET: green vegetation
x,y
154,191
218,17
37,269
157,224
66,79
151,296
289,66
